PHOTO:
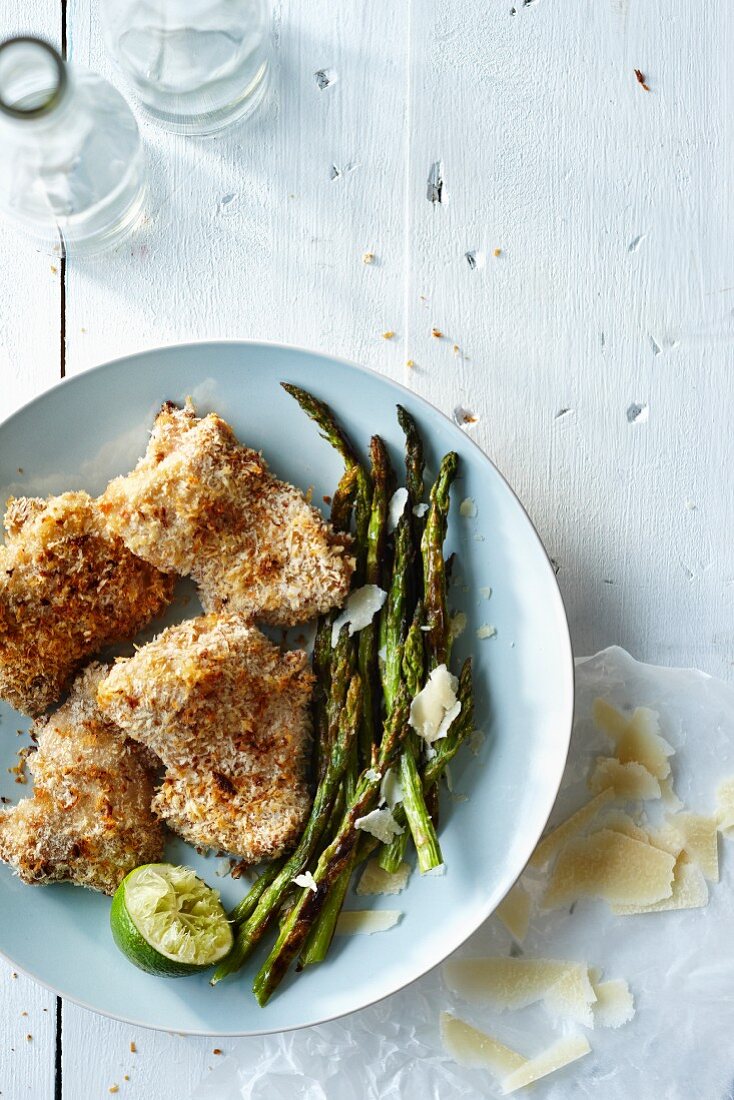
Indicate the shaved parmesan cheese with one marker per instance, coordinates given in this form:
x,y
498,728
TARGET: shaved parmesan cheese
x,y
667,838
362,606
614,1004
468,508
376,881
420,510
382,653
670,798
637,739
380,824
560,1054
396,507
435,707
486,631
725,806
365,922
474,1049
514,912
620,822
628,781
689,892
503,983
701,841
608,719
550,844
572,997
391,790
457,626
306,880
611,866
485,592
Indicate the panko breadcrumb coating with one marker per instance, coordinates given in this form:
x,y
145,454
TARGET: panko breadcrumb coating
x,y
198,503
68,587
89,820
228,714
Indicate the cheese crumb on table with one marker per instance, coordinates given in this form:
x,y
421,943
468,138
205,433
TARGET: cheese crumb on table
x,y
475,1049
629,781
689,891
514,912
725,806
507,983
486,631
551,843
614,1003
700,839
610,866
365,922
375,880
555,1057
637,739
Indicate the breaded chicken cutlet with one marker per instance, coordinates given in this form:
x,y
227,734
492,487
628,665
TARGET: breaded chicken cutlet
x,y
89,820
200,504
228,714
68,587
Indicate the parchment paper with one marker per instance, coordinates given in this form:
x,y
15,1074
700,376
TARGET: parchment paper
x,y
679,965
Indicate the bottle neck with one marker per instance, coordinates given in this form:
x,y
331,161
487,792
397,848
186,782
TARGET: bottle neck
x,y
34,84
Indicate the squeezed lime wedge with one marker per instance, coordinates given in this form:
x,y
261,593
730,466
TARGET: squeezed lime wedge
x,y
168,922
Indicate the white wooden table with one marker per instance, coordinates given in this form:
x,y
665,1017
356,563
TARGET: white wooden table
x,y
594,349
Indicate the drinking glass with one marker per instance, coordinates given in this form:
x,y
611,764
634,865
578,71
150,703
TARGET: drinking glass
x,y
195,65
72,168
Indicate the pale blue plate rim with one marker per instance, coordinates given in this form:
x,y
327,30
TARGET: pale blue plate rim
x,y
567,688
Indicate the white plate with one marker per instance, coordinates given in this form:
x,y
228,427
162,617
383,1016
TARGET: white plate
x,y
93,427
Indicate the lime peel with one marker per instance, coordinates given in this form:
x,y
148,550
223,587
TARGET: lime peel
x,y
167,921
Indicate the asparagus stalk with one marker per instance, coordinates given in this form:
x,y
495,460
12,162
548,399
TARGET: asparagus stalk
x,y
374,564
334,860
460,729
414,460
434,567
393,623
253,928
334,434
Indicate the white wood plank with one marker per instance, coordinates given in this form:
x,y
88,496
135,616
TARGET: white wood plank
x,y
248,235
610,205
96,1055
280,259
29,362
30,287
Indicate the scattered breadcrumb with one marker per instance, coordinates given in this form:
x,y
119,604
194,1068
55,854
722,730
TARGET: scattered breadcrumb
x,y
410,363
114,1088
133,1048
368,258
436,334
641,80
388,335
497,252
216,1050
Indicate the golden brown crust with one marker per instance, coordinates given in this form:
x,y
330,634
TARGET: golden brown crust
x,y
228,714
198,503
68,587
89,820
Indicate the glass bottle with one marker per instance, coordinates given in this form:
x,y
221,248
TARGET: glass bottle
x,y
72,168
195,65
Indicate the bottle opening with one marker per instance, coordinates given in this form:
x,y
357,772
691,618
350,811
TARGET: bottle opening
x,y
32,77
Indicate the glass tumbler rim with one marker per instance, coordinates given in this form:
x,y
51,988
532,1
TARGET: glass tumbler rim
x,y
61,79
